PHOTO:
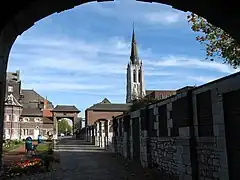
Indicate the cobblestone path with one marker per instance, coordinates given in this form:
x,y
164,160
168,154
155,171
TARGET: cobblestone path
x,y
82,161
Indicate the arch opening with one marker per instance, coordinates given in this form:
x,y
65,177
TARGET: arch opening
x,y
25,15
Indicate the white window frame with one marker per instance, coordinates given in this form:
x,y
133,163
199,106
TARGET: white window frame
x,y
37,119
10,88
25,119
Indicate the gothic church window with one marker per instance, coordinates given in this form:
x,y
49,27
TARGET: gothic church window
x,y
134,76
139,75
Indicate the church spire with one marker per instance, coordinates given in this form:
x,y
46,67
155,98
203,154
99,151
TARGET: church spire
x,y
134,53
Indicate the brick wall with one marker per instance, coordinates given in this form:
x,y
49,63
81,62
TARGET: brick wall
x,y
92,116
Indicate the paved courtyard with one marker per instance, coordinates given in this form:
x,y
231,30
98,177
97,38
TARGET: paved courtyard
x,y
80,160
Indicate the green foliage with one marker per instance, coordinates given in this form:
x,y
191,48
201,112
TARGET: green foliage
x,y
217,42
138,104
42,147
63,126
10,145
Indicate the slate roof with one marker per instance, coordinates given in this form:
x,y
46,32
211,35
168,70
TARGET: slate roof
x,y
65,108
31,95
31,112
47,120
110,107
105,101
106,105
163,91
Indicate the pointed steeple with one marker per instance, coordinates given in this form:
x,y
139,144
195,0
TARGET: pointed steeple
x,y
134,53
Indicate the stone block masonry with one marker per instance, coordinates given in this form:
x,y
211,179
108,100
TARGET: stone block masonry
x,y
184,136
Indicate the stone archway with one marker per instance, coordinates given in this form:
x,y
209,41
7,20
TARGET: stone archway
x,y
18,16
63,111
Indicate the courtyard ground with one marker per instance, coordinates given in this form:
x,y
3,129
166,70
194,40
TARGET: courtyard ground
x,y
82,161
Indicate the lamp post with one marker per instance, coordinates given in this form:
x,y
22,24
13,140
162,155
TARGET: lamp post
x,y
20,125
11,131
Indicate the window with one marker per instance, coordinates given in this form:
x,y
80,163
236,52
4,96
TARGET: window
x,y
139,75
31,132
25,132
15,118
6,117
10,117
134,76
10,89
37,119
25,119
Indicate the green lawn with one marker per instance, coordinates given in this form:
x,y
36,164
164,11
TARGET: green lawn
x,y
12,146
43,147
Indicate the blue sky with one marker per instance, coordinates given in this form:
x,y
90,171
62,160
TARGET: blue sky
x,y
79,56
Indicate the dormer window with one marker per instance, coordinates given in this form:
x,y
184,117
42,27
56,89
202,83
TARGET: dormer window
x,y
10,89
25,119
37,119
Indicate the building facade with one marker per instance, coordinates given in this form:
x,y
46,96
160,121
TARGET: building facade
x,y
13,107
23,111
159,94
104,110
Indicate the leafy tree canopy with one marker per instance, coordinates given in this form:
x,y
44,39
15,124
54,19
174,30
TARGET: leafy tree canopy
x,y
63,126
218,43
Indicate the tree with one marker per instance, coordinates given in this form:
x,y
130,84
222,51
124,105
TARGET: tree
x,y
218,43
63,126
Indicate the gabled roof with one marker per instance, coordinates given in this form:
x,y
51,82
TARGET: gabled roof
x,y
47,120
105,101
110,107
31,95
31,112
12,101
65,108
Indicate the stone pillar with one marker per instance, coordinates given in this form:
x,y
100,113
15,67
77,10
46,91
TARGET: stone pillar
x,y
55,128
103,134
97,134
8,35
2,98
93,134
90,134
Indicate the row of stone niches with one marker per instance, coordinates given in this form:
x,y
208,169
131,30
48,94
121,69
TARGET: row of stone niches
x,y
167,138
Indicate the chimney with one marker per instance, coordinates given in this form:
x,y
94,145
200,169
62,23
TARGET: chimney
x,y
45,105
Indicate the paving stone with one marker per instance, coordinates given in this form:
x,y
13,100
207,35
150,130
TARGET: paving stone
x,y
79,160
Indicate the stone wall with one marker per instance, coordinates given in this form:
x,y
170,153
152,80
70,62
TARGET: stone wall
x,y
183,136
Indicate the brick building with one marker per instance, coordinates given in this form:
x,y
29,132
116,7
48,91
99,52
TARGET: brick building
x,y
159,94
104,110
27,113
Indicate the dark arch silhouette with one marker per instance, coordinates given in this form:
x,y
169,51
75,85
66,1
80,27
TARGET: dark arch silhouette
x,y
18,16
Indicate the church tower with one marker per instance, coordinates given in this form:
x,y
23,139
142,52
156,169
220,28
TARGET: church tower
x,y
135,76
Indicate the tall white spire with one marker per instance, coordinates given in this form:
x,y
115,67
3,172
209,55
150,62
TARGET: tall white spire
x,y
135,75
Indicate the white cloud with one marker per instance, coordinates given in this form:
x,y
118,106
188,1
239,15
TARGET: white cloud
x,y
163,17
203,79
64,86
77,65
190,62
141,12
